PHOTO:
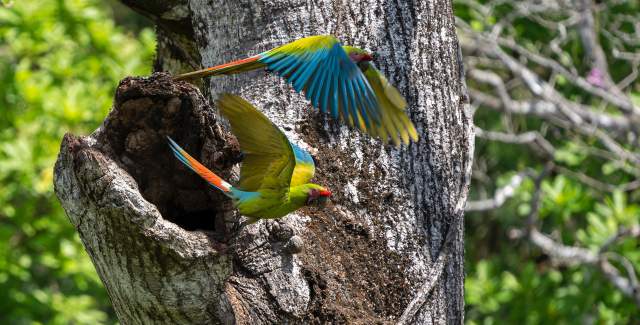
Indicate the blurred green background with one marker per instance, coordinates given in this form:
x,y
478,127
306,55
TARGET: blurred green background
x,y
589,194
60,62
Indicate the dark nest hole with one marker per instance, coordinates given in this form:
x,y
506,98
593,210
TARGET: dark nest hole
x,y
146,111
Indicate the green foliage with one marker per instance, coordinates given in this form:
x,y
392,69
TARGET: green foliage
x,y
60,62
535,293
509,280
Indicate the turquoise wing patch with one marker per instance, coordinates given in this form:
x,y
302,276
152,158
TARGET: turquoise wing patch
x,y
305,167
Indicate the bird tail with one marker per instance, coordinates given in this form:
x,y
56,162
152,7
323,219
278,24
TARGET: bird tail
x,y
211,178
248,64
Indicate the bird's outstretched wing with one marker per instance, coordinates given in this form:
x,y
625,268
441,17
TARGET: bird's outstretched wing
x,y
319,66
269,158
395,121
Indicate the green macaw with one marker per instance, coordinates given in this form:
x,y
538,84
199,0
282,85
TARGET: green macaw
x,y
335,78
275,173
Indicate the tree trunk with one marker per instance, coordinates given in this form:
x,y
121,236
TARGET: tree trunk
x,y
169,249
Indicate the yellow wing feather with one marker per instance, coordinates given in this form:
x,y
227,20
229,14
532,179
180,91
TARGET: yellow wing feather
x,y
394,120
269,160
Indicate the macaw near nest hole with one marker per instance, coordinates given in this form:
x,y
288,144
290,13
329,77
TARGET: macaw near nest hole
x,y
275,173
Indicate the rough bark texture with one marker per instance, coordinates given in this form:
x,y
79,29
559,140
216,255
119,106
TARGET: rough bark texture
x,y
390,247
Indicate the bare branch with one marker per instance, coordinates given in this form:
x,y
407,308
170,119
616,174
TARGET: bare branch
x,y
512,77
500,197
599,185
590,41
613,146
533,138
490,46
571,255
547,109
562,254
628,286
630,78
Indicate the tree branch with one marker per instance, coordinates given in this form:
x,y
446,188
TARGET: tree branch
x,y
500,197
533,138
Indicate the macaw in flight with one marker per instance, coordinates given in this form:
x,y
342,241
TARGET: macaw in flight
x,y
275,173
335,78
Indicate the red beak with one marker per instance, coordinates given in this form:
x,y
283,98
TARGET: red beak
x,y
367,57
326,193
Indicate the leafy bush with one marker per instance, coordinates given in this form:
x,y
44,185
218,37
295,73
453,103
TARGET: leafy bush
x,y
60,62
590,191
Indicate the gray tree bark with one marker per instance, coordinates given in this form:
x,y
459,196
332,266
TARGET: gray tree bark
x,y
388,250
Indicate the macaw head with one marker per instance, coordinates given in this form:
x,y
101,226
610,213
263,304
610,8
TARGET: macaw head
x,y
357,55
317,195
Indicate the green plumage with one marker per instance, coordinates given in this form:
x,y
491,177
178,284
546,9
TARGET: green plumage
x,y
275,174
269,163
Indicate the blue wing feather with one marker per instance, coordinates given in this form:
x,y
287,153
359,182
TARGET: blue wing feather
x,y
314,92
323,92
352,103
277,62
302,65
369,102
315,82
299,62
315,85
345,102
335,109
331,81
360,103
302,155
301,77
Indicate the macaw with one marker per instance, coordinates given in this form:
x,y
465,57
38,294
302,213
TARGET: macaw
x,y
275,173
335,78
